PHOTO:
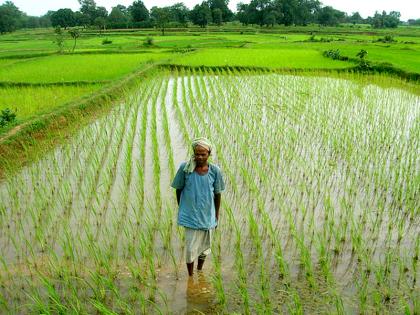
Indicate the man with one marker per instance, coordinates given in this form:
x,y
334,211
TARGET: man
x,y
198,185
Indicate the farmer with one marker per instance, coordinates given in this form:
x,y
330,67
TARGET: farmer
x,y
198,185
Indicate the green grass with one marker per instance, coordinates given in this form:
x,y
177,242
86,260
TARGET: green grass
x,y
77,67
28,102
399,55
273,58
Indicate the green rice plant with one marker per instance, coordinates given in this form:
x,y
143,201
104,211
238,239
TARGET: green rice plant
x,y
29,102
277,58
295,307
78,67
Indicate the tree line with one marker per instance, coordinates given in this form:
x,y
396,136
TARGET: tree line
x,y
256,12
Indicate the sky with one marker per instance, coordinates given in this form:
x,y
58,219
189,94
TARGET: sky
x,y
409,9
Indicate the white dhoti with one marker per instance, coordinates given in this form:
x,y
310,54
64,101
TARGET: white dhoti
x,y
197,243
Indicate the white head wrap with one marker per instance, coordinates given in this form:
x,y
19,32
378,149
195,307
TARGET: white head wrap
x,y
202,142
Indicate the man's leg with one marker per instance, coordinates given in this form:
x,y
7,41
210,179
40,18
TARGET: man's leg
x,y
190,268
201,260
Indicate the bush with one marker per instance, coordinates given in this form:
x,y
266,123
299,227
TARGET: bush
x,y
148,41
106,41
7,117
386,39
334,54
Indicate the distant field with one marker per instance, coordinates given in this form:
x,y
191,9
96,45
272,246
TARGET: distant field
x,y
399,55
273,58
77,67
31,101
31,56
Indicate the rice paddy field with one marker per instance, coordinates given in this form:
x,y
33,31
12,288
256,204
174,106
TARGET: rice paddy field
x,y
262,57
93,67
320,215
28,102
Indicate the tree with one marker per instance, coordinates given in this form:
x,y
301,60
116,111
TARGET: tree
x,y
413,22
138,11
75,34
31,21
101,12
385,20
242,13
217,16
270,18
377,20
201,14
10,17
63,18
305,11
328,16
100,22
287,11
179,13
118,18
258,10
392,19
222,5
45,21
160,17
59,38
88,10
355,18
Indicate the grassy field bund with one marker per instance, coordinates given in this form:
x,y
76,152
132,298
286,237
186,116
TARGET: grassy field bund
x,y
320,156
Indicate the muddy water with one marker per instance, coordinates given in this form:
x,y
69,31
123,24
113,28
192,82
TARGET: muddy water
x,y
326,175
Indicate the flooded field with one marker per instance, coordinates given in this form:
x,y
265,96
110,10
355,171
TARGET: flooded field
x,y
320,215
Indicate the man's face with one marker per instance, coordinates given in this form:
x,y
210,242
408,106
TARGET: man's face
x,y
201,155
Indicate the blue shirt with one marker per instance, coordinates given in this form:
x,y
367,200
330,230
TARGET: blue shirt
x,y
196,206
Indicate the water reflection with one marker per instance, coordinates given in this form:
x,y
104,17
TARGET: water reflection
x,y
200,295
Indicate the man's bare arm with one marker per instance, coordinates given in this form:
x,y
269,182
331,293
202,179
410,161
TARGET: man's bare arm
x,y
217,200
178,195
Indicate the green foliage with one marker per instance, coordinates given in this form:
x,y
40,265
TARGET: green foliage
x,y
106,41
148,41
138,11
63,18
362,54
330,16
59,38
334,54
363,63
160,17
119,17
88,11
201,14
385,20
7,117
386,39
9,17
179,14
75,34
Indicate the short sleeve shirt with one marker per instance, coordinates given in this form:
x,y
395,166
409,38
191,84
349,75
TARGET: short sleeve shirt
x,y
196,206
